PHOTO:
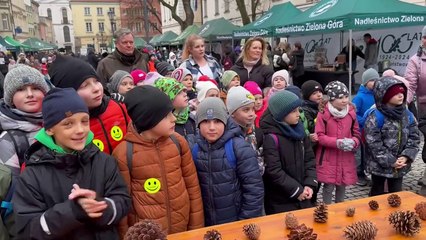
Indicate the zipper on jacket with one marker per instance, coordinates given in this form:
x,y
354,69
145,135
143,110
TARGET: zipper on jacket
x,y
166,188
210,187
321,156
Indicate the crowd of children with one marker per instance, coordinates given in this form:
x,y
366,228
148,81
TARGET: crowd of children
x,y
189,154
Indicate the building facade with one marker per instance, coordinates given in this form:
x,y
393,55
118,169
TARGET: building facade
x,y
20,10
46,30
94,23
169,24
33,19
6,26
60,13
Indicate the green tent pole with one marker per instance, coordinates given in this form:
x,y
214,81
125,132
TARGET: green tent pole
x,y
350,64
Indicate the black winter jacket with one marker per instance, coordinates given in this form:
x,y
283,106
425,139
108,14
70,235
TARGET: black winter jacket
x,y
288,169
188,131
261,74
41,199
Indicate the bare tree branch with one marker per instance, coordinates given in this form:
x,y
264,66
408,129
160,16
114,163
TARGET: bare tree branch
x,y
189,13
243,11
254,5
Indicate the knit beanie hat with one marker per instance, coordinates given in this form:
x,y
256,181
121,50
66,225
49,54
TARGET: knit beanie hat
x,y
392,91
388,73
147,106
138,76
295,90
310,87
205,78
180,73
253,88
227,77
203,88
211,108
20,76
71,72
282,103
369,75
115,80
163,68
60,103
281,73
238,97
151,77
336,90
169,86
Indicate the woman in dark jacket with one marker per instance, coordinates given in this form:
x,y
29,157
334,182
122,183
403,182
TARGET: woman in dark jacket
x,y
296,64
253,63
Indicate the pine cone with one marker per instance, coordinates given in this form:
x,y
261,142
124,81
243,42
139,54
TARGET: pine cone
x,y
302,233
213,234
374,205
394,200
421,210
362,230
146,230
291,221
321,213
350,211
406,223
252,231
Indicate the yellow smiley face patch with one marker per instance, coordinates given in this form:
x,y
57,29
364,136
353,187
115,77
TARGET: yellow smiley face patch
x,y
152,185
99,144
116,133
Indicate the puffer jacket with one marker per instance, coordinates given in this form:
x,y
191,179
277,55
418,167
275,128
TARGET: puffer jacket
x,y
260,73
289,168
43,188
177,206
229,194
334,166
415,74
363,101
188,130
394,139
311,111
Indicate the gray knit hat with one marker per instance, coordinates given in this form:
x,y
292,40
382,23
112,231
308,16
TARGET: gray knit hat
x,y
237,97
20,76
282,103
211,108
336,90
115,80
369,75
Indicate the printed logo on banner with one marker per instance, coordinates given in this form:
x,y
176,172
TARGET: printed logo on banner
x,y
314,44
398,47
262,19
204,29
323,8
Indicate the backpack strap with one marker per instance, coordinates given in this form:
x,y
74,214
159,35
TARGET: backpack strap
x,y
176,142
129,156
275,138
380,118
122,111
194,151
229,152
20,142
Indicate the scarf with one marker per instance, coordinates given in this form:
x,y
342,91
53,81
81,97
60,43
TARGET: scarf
x,y
294,132
14,113
127,60
338,113
311,104
49,141
96,112
249,64
395,113
182,116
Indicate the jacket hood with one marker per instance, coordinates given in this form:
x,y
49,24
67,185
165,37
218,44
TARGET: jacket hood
x,y
268,124
382,85
365,90
133,136
12,118
232,130
49,142
372,41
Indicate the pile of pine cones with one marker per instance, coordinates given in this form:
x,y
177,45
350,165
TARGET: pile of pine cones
x,y
147,230
302,232
362,230
252,231
321,213
406,223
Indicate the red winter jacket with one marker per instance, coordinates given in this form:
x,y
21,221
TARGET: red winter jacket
x,y
110,127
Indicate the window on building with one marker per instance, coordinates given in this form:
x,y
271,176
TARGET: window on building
x,y
111,9
226,6
205,8
153,27
216,7
114,26
88,27
5,21
99,11
86,11
138,27
64,16
49,13
101,27
67,36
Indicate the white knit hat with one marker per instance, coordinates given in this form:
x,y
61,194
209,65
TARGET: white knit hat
x,y
203,88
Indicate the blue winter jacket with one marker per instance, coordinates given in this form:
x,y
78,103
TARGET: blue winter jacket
x,y
363,101
229,194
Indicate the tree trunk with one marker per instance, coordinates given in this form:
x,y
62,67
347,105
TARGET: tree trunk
x,y
189,13
243,12
254,5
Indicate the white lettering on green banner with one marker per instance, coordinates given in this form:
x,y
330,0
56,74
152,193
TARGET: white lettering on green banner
x,y
388,20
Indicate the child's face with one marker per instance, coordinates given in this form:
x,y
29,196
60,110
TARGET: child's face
x,y
369,85
212,130
91,91
187,82
126,85
396,100
293,117
279,83
258,102
71,133
28,99
165,127
181,100
212,93
340,103
245,115
316,97
234,82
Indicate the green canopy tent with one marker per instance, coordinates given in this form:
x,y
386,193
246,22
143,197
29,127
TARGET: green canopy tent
x,y
166,38
182,37
37,44
217,29
17,44
263,26
7,45
139,42
154,39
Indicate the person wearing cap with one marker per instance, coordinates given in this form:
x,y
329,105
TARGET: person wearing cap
x,y
138,76
231,184
157,165
184,76
392,146
312,94
290,163
338,139
260,104
121,82
69,189
229,79
205,89
279,82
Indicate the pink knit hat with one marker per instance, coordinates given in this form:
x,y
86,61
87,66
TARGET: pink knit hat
x,y
138,76
253,88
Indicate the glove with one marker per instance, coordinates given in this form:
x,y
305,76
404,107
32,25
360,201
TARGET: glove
x,y
340,144
117,97
348,144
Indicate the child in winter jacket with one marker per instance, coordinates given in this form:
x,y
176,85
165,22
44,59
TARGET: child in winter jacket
x,y
227,167
157,165
259,102
184,76
312,93
138,76
69,189
338,138
229,79
205,89
185,123
279,82
290,163
108,118
392,137
120,82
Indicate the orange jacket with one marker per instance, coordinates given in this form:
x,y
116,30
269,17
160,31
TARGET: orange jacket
x,y
177,205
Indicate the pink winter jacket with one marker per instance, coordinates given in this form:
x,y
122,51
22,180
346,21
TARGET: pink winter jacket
x,y
415,74
335,166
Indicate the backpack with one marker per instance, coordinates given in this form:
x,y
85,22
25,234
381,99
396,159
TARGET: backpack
x,y
281,63
227,62
229,152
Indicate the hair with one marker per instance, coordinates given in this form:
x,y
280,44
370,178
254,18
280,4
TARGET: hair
x,y
298,45
367,35
120,33
247,45
189,44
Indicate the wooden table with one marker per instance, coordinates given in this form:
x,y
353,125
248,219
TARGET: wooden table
x,y
273,226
